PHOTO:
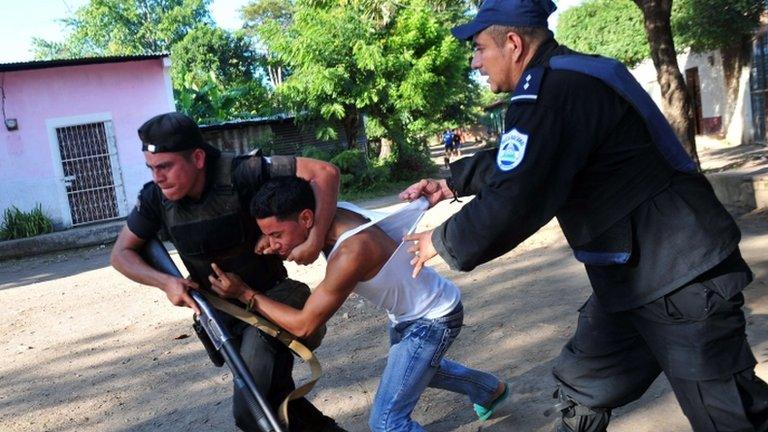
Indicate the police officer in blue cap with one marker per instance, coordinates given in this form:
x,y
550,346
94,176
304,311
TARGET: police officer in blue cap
x,y
584,143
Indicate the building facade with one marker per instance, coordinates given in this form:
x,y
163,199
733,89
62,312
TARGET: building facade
x,y
68,139
705,79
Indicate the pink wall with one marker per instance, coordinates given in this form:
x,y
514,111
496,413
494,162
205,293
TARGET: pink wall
x,y
130,92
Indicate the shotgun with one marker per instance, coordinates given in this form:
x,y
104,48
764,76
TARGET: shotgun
x,y
156,255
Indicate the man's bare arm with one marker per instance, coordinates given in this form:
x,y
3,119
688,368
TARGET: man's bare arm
x,y
348,266
125,258
324,179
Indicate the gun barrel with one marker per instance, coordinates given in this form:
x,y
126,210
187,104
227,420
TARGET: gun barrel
x,y
157,256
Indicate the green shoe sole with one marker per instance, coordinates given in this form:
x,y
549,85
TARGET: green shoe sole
x,y
485,413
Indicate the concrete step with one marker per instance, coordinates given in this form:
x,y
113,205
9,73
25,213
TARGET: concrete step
x,y
741,190
90,235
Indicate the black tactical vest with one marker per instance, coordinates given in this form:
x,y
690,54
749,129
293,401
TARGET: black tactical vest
x,y
217,229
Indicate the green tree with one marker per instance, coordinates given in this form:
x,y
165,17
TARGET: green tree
x,y
206,48
208,100
277,13
46,50
659,29
218,76
395,62
613,28
126,27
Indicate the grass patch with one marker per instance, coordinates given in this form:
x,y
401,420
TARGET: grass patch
x,y
18,224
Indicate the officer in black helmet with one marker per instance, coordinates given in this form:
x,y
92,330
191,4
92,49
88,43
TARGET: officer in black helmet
x,y
199,199
584,143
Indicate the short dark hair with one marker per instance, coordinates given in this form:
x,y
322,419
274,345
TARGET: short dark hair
x,y
283,197
531,35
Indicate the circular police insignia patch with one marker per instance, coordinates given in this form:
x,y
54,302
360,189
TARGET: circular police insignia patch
x,y
511,150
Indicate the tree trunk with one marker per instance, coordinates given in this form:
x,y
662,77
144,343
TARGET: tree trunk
x,y
391,144
275,75
676,102
734,59
386,149
351,124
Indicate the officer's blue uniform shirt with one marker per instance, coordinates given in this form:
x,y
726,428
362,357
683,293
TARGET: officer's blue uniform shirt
x,y
573,143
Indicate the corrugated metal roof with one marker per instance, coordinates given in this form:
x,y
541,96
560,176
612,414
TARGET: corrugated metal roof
x,y
287,138
234,124
45,64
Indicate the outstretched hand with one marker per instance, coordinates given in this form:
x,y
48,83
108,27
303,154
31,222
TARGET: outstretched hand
x,y
422,249
226,284
434,190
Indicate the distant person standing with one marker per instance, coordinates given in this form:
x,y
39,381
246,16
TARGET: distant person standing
x,y
448,144
458,138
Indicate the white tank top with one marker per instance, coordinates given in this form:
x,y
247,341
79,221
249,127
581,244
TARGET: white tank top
x,y
403,297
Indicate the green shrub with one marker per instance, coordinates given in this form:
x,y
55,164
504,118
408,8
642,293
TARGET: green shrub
x,y
347,181
357,173
410,163
351,162
378,173
315,153
19,224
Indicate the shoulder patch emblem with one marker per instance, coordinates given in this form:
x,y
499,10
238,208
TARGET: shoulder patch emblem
x,y
511,150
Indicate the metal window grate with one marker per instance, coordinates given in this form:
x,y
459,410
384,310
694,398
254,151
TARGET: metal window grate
x,y
88,174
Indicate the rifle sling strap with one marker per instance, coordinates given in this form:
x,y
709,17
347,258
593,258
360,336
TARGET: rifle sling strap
x,y
283,336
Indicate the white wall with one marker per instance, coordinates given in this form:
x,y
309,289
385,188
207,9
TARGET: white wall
x,y
713,91
711,80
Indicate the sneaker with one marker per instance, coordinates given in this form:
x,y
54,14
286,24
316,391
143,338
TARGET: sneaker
x,y
485,413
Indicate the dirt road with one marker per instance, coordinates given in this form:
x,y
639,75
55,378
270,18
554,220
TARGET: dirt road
x,y
85,349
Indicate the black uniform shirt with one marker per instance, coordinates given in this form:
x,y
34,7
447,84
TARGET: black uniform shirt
x,y
249,173
577,131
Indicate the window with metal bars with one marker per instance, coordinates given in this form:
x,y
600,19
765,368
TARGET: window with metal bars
x,y
88,175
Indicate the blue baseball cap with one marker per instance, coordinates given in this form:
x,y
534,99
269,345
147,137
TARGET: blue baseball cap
x,y
513,13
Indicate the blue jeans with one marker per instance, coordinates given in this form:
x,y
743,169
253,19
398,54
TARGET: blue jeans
x,y
416,362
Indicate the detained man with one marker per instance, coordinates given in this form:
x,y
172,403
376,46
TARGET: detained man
x,y
365,255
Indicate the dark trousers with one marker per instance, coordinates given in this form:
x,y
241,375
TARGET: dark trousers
x,y
695,335
271,364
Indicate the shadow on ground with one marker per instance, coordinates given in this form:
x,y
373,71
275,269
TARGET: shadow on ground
x,y
520,310
20,272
